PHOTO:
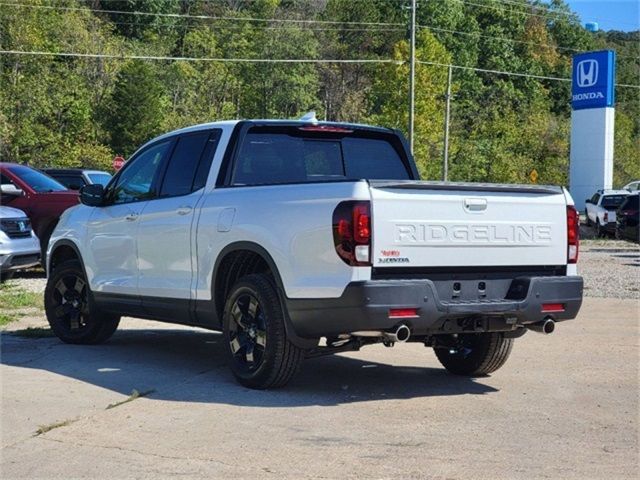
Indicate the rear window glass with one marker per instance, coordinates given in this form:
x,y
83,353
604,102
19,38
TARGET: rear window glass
x,y
272,158
613,201
632,202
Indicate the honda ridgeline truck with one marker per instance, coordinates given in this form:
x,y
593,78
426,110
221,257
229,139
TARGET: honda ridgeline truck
x,y
298,239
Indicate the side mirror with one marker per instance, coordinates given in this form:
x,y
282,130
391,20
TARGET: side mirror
x,y
92,195
10,189
588,200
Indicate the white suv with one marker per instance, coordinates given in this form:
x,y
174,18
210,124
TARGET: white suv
x,y
280,233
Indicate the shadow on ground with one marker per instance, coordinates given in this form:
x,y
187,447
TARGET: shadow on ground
x,y
189,366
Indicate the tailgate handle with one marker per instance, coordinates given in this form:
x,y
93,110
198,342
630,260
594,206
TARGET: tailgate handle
x,y
475,204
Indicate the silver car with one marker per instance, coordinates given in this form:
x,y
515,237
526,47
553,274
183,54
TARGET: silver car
x,y
19,246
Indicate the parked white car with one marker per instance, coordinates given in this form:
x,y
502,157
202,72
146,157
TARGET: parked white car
x,y
19,246
600,210
281,233
632,186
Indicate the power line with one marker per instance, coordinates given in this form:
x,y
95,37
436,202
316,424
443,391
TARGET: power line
x,y
285,60
201,17
549,13
515,74
200,59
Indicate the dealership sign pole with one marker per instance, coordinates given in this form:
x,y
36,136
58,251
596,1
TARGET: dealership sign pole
x,y
592,124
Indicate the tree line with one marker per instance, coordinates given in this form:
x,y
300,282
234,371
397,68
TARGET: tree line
x,y
70,111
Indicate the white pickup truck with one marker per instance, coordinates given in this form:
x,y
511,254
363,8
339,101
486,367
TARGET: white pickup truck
x,y
298,238
600,210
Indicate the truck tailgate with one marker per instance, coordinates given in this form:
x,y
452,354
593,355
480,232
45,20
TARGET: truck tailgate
x,y
429,224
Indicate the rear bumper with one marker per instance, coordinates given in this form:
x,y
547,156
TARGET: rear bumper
x,y
365,306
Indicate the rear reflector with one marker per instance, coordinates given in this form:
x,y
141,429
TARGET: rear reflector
x,y
403,313
552,307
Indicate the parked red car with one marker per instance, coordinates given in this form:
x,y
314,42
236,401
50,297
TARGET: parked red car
x,y
41,197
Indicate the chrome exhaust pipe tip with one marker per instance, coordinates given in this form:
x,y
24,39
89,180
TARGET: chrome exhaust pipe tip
x,y
546,326
402,333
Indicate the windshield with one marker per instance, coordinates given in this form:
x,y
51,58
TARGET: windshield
x,y
99,178
37,180
613,201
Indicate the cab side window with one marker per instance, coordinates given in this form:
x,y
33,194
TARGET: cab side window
x,y
136,181
595,198
189,165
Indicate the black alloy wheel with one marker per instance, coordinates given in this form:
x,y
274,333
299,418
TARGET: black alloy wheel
x,y
68,307
258,350
247,332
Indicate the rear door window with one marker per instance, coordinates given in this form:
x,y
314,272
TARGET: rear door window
x,y
189,164
267,158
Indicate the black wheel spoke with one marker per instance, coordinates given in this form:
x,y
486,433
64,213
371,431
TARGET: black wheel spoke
x,y
78,285
61,311
261,338
61,288
248,335
74,319
249,354
252,308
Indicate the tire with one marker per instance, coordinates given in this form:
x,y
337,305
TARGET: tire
x,y
599,230
476,354
588,221
258,351
618,234
4,276
68,307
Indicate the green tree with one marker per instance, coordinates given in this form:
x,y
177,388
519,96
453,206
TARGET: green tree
x,y
388,100
136,109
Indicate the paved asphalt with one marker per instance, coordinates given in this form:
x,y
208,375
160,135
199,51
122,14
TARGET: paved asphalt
x,y
564,406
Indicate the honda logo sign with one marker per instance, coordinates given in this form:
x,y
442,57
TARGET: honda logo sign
x,y
593,80
587,73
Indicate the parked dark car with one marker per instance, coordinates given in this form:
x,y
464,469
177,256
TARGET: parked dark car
x,y
41,197
628,219
76,178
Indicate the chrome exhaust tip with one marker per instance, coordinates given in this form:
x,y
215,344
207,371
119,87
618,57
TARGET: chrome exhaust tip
x,y
400,335
546,326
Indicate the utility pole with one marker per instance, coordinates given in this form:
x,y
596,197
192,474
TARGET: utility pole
x,y
412,72
445,163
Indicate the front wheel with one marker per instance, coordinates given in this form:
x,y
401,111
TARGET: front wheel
x,y
474,354
67,306
259,353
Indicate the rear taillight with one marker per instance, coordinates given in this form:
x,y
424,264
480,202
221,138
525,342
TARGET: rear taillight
x,y
573,234
352,232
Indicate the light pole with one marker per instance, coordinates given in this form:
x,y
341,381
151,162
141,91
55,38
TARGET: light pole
x,y
412,72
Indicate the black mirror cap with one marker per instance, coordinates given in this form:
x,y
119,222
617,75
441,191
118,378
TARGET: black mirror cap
x,y
92,195
588,200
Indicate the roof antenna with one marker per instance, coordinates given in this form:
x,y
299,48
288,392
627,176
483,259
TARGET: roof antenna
x,y
309,117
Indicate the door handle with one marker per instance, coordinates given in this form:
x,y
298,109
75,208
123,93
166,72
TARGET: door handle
x,y
131,217
184,210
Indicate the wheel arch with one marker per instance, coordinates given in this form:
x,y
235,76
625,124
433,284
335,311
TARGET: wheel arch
x,y
221,283
61,251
